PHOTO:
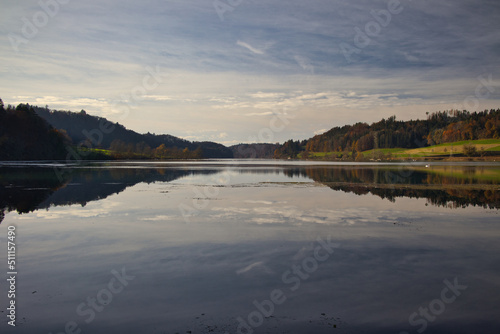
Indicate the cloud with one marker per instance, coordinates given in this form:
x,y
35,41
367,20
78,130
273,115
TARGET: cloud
x,y
249,47
262,95
249,267
259,202
318,132
158,218
74,103
158,97
265,113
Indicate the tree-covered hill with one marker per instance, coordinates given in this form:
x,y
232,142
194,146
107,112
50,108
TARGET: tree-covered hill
x,y
26,136
253,151
438,128
98,132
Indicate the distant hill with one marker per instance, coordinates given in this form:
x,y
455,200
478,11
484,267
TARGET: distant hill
x,y
254,151
26,136
84,128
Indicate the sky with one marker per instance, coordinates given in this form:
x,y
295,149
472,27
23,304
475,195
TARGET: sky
x,y
239,71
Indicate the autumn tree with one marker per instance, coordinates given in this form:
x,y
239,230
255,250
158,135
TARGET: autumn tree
x,y
161,152
470,150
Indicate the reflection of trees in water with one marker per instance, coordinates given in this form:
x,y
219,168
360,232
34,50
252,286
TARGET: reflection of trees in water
x,y
259,171
389,183
470,170
455,198
22,189
358,175
28,189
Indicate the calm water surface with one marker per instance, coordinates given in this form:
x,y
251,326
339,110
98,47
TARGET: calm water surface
x,y
252,246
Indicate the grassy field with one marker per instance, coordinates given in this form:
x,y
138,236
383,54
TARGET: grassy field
x,y
458,147
385,151
322,155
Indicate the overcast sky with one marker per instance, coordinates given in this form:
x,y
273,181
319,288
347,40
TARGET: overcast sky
x,y
235,71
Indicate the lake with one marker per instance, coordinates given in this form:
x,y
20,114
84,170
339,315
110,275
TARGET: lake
x,y
251,246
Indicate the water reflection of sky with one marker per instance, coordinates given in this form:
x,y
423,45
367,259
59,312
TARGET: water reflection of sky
x,y
201,272
233,175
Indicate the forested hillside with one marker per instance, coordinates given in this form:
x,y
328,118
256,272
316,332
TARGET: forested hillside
x,y
252,151
26,136
438,128
124,143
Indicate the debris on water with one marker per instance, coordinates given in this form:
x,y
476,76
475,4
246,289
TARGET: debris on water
x,y
207,324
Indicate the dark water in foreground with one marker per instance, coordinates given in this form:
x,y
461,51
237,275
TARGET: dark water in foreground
x,y
213,248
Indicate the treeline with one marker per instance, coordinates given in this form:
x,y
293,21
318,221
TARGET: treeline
x,y
33,133
83,128
26,136
90,137
439,127
252,151
122,150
